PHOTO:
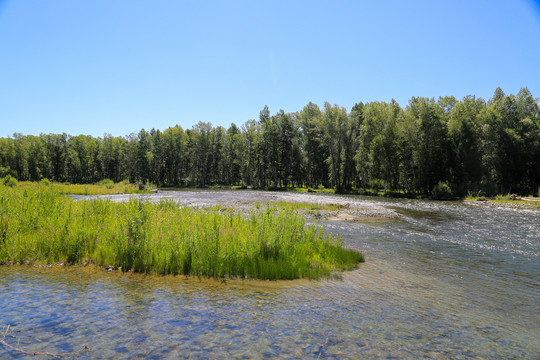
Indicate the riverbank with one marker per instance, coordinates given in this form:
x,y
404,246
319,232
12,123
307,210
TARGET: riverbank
x,y
525,203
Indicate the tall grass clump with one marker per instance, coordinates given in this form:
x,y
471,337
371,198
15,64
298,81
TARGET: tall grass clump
x,y
38,225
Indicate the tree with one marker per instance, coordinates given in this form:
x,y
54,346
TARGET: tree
x,y
351,144
471,144
199,147
433,145
56,153
112,155
175,149
286,135
334,124
158,158
234,155
464,132
217,156
408,134
38,163
377,152
249,135
314,149
143,156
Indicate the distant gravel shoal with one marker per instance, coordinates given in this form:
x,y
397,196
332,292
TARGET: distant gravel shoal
x,y
505,205
350,212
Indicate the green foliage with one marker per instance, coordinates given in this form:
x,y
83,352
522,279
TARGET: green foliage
x,y
150,186
37,224
470,144
441,191
84,189
108,183
9,181
4,171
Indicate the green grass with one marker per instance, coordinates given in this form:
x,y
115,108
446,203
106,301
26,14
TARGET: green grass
x,y
103,188
38,225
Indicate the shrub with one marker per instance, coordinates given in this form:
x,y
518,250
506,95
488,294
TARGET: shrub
x,y
9,181
109,184
150,185
441,191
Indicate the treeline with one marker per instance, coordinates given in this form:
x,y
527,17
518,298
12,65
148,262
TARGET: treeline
x,y
470,145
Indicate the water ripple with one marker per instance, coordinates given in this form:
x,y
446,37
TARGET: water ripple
x,y
447,280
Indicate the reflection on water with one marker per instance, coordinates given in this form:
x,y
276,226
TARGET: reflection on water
x,y
447,280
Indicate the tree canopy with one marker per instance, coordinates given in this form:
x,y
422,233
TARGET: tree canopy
x,y
471,145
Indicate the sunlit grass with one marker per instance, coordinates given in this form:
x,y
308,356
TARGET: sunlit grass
x,y
103,188
38,225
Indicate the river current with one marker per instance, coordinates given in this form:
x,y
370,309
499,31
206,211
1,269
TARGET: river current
x,y
444,280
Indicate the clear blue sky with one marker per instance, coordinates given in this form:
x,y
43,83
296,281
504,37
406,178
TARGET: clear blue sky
x,y
100,66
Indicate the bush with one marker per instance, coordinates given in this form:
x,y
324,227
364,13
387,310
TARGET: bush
x,y
441,191
106,182
109,184
150,185
9,181
45,182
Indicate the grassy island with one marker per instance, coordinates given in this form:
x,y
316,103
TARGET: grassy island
x,y
39,225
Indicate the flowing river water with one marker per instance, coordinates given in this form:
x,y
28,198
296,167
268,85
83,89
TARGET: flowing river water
x,y
444,280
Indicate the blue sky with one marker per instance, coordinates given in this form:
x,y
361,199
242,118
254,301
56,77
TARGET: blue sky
x,y
99,66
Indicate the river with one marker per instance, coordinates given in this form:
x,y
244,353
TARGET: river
x,y
444,280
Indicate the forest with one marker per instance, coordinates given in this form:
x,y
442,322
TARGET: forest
x,y
464,147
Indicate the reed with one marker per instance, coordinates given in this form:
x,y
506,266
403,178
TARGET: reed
x,y
38,225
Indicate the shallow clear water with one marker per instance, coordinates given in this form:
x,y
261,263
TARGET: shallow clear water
x,y
446,280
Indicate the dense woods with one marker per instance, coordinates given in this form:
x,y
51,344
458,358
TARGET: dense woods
x,y
468,146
